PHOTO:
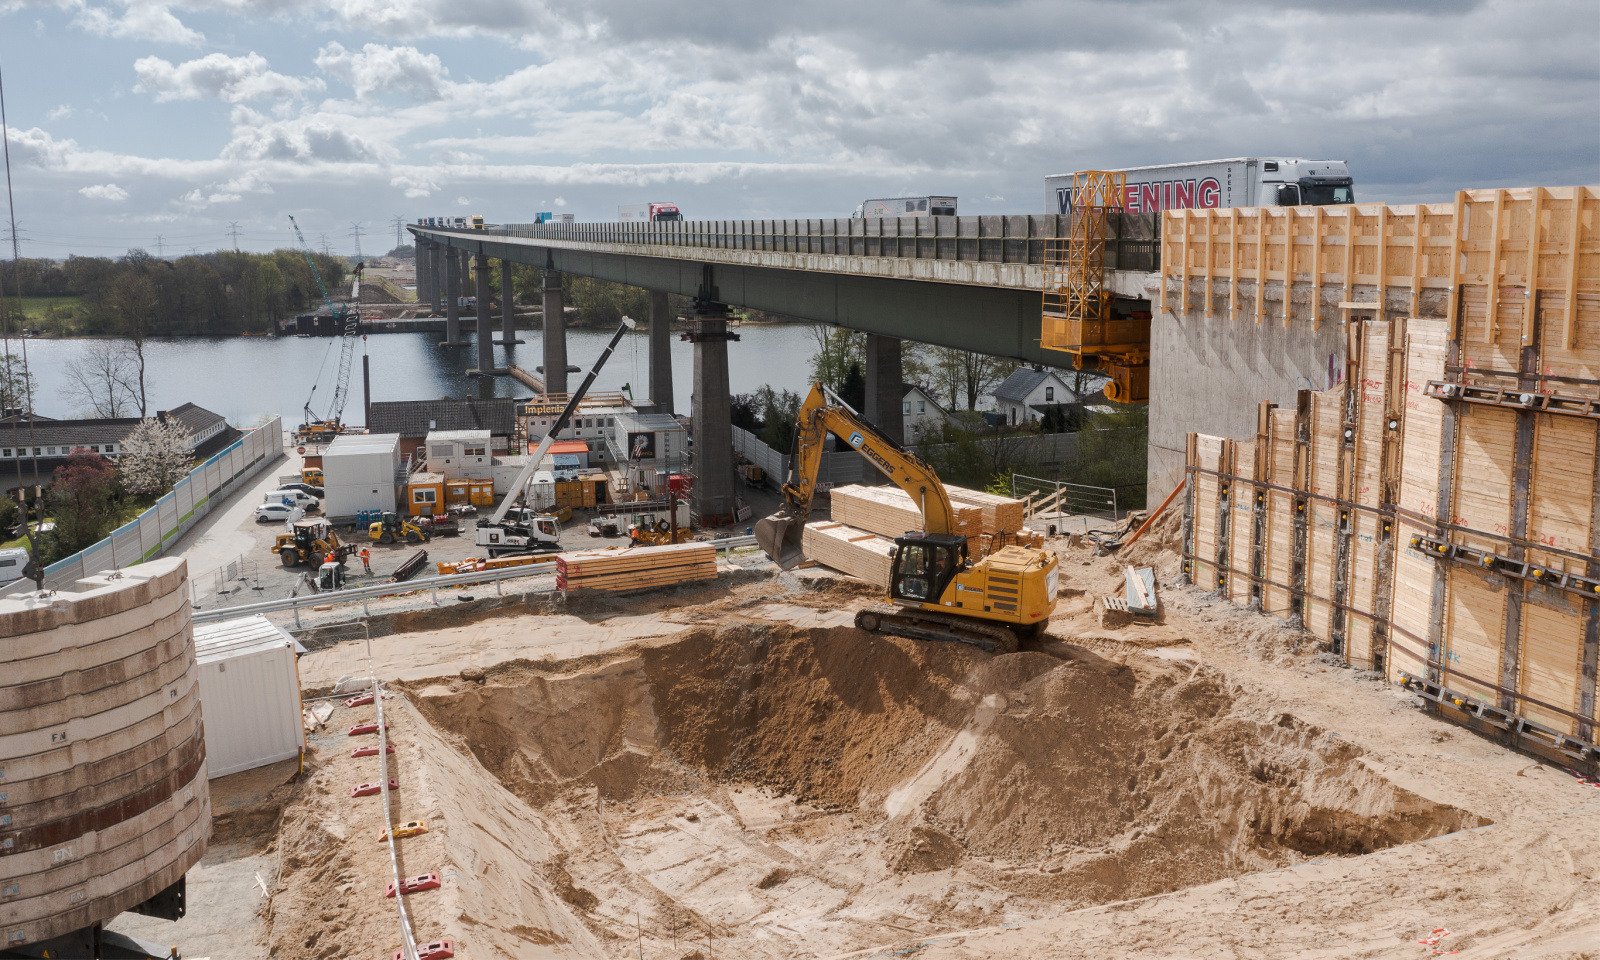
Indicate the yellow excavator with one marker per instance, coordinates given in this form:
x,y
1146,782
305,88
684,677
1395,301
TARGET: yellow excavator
x,y
936,591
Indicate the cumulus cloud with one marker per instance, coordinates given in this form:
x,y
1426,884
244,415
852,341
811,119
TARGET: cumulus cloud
x,y
104,191
217,75
61,112
311,136
414,187
199,199
153,22
375,70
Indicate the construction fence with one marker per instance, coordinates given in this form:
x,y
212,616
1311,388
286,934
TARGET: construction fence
x,y
150,534
1436,516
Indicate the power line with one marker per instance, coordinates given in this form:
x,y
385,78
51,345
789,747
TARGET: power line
x,y
399,230
355,231
233,231
161,247
324,241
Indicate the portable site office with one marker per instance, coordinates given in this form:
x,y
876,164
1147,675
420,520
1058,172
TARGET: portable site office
x,y
249,694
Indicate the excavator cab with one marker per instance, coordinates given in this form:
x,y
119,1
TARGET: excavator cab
x,y
923,564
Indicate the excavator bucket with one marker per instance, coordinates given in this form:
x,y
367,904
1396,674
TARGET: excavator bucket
x,y
779,536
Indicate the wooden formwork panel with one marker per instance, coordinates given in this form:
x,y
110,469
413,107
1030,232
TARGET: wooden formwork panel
x,y
1241,524
1474,631
1322,528
1489,340
1411,605
1279,546
1422,418
1551,662
1364,547
1372,387
1208,453
1561,485
1486,458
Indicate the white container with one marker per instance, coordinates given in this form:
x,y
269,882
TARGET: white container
x,y
359,474
249,694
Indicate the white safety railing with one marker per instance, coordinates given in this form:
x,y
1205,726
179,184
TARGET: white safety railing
x,y
365,595
1059,498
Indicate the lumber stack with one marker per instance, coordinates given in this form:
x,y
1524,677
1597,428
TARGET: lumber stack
x,y
636,569
859,553
890,511
998,515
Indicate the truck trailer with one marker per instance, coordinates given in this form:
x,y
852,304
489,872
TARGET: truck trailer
x,y
890,207
1211,184
648,213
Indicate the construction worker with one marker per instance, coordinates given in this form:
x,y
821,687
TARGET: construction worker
x,y
330,558
366,560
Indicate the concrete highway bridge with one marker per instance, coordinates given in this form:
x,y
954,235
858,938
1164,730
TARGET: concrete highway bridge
x,y
972,283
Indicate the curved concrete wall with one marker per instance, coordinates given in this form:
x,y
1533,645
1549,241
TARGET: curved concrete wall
x,y
103,798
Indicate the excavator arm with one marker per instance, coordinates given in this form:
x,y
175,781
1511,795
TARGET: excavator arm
x,y
780,534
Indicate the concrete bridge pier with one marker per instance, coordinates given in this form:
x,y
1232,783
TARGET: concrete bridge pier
x,y
713,499
886,389
436,281
660,353
555,335
508,307
452,309
424,263
485,331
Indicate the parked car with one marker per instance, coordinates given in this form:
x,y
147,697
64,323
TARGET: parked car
x,y
278,512
310,488
299,498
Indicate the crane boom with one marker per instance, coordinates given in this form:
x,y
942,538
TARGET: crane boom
x,y
526,475
779,535
348,322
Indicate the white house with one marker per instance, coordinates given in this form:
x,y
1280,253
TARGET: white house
x,y
923,415
1024,396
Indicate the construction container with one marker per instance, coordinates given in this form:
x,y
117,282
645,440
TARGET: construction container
x,y
425,494
360,472
250,694
479,493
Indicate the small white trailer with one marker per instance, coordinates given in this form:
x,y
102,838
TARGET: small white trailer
x,y
249,694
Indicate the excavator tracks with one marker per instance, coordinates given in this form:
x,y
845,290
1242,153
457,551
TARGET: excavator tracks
x,y
928,625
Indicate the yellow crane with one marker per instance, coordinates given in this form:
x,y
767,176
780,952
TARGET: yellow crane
x,y
936,591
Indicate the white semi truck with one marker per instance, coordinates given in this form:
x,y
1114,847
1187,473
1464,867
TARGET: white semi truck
x,y
658,212
890,207
1239,182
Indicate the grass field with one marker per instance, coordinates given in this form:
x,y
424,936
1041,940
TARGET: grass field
x,y
37,308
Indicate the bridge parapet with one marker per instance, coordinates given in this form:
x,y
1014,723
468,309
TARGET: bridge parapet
x,y
1134,243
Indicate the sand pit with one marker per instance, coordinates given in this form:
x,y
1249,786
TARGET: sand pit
x,y
785,792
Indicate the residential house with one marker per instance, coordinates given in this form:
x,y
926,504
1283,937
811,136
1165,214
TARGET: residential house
x,y
1024,396
39,444
923,415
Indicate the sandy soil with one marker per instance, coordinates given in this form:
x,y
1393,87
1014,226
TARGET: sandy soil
x,y
740,774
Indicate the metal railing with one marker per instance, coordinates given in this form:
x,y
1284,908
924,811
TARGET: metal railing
x,y
1132,244
1057,497
365,595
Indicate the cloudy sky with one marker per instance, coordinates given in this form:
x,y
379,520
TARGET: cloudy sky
x,y
133,119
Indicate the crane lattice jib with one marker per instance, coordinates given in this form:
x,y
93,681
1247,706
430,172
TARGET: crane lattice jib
x,y
348,322
1077,306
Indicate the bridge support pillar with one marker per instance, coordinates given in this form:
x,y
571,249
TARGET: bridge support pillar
x,y
508,307
555,335
485,331
660,353
885,388
424,272
713,498
436,282
452,308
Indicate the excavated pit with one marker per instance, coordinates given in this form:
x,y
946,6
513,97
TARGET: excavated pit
x,y
786,792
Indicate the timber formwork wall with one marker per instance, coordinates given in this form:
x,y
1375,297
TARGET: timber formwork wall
x,y
1436,515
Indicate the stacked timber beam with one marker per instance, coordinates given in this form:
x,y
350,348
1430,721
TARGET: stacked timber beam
x,y
860,553
866,520
1433,516
636,569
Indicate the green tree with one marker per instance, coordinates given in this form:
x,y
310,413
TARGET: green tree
x,y
133,298
83,500
1113,451
838,350
155,456
778,412
16,384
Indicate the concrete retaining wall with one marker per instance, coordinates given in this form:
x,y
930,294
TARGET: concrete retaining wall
x,y
103,795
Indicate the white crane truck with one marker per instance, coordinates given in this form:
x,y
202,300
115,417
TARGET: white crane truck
x,y
516,528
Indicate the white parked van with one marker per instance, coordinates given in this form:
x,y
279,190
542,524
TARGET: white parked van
x,y
12,562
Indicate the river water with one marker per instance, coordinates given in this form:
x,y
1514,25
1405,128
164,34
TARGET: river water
x,y
246,378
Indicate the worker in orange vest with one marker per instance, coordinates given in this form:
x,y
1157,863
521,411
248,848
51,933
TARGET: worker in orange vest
x,y
366,560
330,558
